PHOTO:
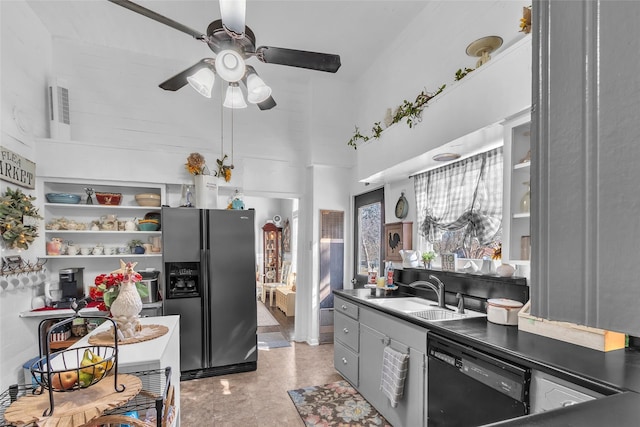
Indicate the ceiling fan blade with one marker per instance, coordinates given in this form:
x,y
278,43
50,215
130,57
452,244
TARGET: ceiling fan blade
x,y
179,80
299,58
233,13
267,104
157,17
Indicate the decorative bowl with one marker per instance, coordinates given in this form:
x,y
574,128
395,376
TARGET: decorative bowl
x,y
148,199
148,226
62,198
111,199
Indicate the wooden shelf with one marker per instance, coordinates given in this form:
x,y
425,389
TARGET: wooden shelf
x,y
61,345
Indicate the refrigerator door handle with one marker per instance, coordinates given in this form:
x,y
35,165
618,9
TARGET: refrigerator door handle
x,y
206,314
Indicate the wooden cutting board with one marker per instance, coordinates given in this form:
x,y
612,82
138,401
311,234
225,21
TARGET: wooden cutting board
x,y
73,408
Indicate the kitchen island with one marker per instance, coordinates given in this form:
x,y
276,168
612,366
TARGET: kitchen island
x,y
616,374
157,353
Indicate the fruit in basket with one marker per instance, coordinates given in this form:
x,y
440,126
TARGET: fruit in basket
x,y
85,379
64,380
98,370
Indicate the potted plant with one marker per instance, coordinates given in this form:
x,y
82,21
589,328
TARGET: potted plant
x,y
427,257
136,246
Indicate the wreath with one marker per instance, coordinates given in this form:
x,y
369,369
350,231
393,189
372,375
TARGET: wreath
x,y
15,206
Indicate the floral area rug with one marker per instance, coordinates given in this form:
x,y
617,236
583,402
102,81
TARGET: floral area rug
x,y
335,404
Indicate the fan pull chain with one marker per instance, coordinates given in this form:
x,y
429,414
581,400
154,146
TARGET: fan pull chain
x,y
232,138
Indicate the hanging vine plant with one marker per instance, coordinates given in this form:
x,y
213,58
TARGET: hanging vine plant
x,y
410,112
16,208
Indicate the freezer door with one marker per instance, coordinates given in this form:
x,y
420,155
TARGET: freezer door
x,y
191,333
181,236
232,287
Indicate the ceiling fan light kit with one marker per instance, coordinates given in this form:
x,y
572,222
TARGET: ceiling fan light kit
x,y
202,81
230,65
233,43
257,90
234,98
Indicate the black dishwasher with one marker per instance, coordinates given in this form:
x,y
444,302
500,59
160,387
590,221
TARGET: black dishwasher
x,y
467,387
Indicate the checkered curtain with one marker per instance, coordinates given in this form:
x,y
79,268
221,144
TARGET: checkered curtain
x,y
463,195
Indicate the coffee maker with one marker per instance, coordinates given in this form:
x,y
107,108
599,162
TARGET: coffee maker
x,y
72,286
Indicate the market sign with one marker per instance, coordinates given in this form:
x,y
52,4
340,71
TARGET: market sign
x,y
16,169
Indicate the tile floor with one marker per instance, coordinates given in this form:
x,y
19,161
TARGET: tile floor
x,y
258,398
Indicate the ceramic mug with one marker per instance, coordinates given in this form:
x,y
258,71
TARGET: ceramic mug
x,y
98,250
123,250
85,251
108,251
72,250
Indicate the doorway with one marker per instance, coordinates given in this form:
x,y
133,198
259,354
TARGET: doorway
x,y
331,268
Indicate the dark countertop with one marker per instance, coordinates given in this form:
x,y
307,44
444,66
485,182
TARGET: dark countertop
x,y
615,373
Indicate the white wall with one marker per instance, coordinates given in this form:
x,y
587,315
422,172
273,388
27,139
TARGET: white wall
x,y
26,56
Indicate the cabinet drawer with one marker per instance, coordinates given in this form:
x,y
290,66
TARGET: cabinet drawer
x,y
346,330
346,362
346,307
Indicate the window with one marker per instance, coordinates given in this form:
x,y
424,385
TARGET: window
x,y
459,206
368,230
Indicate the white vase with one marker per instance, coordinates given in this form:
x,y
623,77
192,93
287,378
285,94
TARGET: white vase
x,y
125,310
206,191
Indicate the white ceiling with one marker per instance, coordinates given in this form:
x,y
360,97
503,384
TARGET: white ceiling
x,y
360,31
355,30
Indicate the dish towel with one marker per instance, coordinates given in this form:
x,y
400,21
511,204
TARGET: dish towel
x,y
394,372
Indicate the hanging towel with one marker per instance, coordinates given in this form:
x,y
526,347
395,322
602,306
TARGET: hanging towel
x,y
394,372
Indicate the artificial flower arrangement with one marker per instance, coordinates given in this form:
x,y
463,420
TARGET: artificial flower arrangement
x,y
224,171
196,164
108,286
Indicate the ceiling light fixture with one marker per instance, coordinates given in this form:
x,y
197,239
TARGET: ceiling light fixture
x,y
230,65
202,81
234,98
257,90
446,157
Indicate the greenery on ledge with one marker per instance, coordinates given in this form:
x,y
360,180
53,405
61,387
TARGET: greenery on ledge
x,y
411,111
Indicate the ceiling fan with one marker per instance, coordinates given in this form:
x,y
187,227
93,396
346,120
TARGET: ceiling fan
x,y
232,43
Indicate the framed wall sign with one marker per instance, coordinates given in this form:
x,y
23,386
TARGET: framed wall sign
x,y
16,169
448,262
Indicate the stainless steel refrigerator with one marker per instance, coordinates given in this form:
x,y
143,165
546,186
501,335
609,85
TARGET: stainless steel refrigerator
x,y
209,267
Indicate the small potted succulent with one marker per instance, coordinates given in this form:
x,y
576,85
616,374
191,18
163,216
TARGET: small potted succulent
x,y
427,257
136,246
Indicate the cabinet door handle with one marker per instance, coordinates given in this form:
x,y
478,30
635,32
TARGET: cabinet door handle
x,y
345,330
568,403
344,360
344,307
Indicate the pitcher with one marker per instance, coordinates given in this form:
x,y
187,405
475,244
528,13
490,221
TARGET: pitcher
x,y
156,243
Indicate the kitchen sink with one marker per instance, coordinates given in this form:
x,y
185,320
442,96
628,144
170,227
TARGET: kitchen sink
x,y
424,309
405,305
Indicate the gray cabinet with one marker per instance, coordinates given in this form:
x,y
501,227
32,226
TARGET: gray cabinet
x,y
347,340
377,330
549,392
361,335
584,170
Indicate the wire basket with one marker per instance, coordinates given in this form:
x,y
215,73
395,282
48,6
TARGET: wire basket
x,y
72,369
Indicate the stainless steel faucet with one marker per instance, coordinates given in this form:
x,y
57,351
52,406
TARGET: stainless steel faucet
x,y
460,298
438,289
